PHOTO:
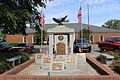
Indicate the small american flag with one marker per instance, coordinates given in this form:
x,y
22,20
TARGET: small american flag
x,y
79,15
42,20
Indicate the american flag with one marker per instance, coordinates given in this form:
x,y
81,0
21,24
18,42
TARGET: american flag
x,y
79,15
42,20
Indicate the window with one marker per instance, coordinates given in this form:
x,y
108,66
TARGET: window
x,y
91,38
33,39
108,40
24,39
117,39
101,38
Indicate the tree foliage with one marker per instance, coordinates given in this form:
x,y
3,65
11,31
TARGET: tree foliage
x,y
85,33
15,13
38,36
113,24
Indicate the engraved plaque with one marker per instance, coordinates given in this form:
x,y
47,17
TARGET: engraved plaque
x,y
57,66
71,60
39,56
46,60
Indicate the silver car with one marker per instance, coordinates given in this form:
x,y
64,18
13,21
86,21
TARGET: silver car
x,y
82,45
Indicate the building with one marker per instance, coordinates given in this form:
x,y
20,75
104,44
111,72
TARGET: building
x,y
22,38
98,33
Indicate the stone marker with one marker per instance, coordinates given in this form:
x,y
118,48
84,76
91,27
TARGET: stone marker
x,y
46,60
81,59
71,62
57,68
38,58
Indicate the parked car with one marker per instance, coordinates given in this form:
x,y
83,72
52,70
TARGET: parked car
x,y
83,45
4,47
23,47
111,43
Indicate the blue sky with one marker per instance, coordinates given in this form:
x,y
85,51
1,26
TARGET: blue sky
x,y
100,10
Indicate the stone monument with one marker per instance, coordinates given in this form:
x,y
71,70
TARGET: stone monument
x,y
61,39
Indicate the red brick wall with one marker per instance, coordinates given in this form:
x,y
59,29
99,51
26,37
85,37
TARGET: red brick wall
x,y
19,38
18,68
97,35
84,77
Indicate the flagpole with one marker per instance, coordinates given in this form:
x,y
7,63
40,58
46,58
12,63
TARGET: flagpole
x,y
80,23
41,31
88,17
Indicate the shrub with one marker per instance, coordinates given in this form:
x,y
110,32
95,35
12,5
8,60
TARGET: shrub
x,y
8,55
12,43
4,66
110,53
117,57
98,58
117,67
25,57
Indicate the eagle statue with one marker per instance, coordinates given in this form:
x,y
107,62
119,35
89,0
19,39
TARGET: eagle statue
x,y
59,21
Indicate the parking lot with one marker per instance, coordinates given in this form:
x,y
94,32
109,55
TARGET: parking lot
x,y
95,50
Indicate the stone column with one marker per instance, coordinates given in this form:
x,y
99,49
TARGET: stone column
x,y
71,42
51,44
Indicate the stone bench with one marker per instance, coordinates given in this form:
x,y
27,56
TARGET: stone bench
x,y
106,59
13,59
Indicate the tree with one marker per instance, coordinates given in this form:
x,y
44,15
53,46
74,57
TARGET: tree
x,y
113,24
15,13
85,33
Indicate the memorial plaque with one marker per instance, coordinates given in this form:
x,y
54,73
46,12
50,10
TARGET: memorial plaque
x,y
46,60
38,58
57,66
71,62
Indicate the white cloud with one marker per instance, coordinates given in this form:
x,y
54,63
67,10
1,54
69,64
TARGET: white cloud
x,y
99,1
56,3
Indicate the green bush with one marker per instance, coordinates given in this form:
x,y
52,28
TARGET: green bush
x,y
25,57
8,55
98,58
117,67
12,43
117,57
4,66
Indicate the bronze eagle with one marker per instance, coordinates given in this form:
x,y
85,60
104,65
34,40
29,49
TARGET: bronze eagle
x,y
59,21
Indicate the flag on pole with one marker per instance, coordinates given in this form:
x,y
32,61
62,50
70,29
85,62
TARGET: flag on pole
x,y
42,20
79,15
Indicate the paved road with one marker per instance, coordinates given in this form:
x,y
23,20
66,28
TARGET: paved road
x,y
95,50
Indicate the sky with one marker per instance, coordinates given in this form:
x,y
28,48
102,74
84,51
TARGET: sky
x,y
100,10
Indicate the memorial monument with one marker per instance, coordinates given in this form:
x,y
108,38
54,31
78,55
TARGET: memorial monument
x,y
61,38
60,60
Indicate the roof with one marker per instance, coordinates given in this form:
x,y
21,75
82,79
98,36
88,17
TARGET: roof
x,y
30,30
76,26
